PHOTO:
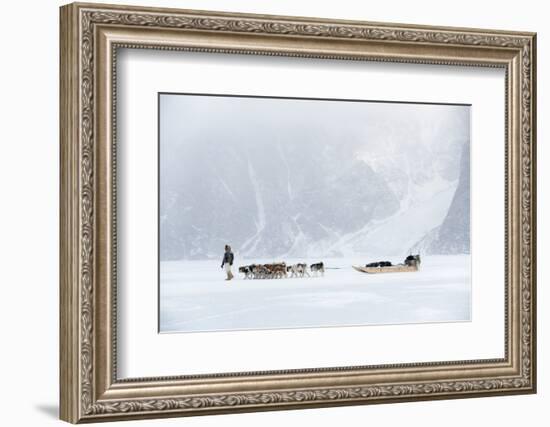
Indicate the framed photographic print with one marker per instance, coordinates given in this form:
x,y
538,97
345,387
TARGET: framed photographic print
x,y
266,212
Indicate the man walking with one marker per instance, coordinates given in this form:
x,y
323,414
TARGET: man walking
x,y
228,262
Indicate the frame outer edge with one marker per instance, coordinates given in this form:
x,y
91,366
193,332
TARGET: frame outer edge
x,y
533,112
69,313
305,19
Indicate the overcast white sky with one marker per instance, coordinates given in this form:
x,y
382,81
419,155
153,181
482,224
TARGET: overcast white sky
x,y
187,119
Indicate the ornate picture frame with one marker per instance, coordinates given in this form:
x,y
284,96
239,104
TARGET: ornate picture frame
x,y
90,37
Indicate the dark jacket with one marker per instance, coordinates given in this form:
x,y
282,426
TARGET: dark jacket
x,y
227,258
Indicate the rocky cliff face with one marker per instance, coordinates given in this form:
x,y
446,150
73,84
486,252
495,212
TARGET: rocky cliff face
x,y
271,202
453,235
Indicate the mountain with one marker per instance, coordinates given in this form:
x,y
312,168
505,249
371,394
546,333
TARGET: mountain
x,y
274,202
453,235
280,179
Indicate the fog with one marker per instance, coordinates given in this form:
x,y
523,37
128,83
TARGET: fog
x,y
293,177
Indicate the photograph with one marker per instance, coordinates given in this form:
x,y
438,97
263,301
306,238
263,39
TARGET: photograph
x,y
279,212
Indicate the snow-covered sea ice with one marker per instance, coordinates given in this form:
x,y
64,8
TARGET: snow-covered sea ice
x,y
195,297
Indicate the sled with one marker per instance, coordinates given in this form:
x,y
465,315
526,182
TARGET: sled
x,y
400,268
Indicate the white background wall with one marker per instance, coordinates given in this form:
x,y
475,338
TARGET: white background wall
x,y
29,171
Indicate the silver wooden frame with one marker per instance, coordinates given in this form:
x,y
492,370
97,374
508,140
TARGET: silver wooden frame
x,y
90,36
